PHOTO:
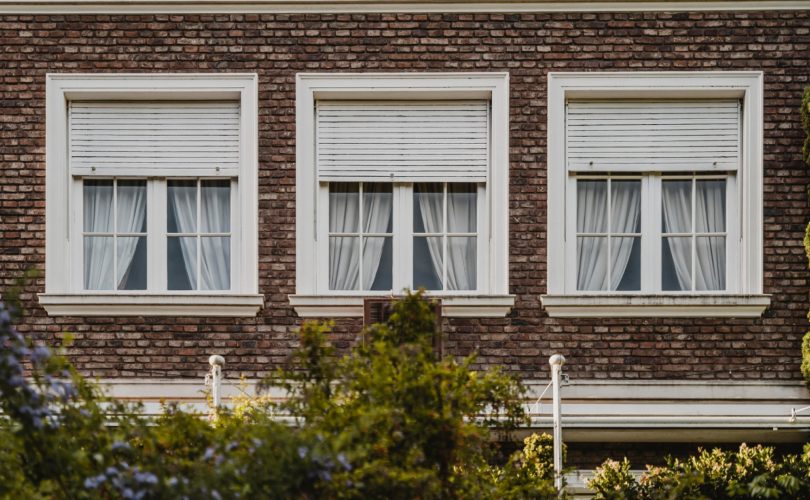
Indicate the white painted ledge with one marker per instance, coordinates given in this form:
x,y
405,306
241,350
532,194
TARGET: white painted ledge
x,y
342,306
652,306
85,304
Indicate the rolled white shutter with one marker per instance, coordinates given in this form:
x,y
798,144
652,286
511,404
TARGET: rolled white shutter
x,y
403,140
664,136
155,138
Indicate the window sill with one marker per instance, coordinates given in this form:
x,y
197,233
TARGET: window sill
x,y
91,304
457,306
651,306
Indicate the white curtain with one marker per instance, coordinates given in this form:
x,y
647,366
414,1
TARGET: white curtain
x,y
98,251
461,258
215,272
344,212
183,204
677,207
591,218
710,253
430,205
625,215
377,215
131,214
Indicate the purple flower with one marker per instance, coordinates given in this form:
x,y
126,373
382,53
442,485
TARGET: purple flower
x,y
302,451
120,445
209,453
341,457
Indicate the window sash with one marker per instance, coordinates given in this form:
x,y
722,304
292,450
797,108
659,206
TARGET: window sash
x,y
156,236
652,234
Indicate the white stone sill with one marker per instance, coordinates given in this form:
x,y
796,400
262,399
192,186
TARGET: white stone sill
x,y
94,304
351,306
654,306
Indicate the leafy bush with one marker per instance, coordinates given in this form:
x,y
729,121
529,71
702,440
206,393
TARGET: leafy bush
x,y
388,420
805,114
749,473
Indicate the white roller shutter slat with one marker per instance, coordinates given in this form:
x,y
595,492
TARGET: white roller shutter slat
x,y
402,140
666,136
161,138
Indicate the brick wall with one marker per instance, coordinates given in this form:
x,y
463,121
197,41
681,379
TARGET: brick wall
x,y
528,46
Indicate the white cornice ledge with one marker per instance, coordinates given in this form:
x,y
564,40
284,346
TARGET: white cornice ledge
x,y
651,306
84,304
341,306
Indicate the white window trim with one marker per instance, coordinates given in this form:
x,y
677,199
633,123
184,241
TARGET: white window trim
x,y
747,299
61,295
495,301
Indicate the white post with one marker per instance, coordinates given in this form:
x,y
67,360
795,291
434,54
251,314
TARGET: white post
x,y
216,361
557,361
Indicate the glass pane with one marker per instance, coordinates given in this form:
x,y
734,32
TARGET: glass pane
x,y
182,263
344,207
461,263
625,206
710,206
625,268
378,263
676,200
461,208
428,209
676,262
377,205
131,206
344,262
592,263
215,210
710,263
182,207
592,206
98,206
427,263
131,270
215,267
98,262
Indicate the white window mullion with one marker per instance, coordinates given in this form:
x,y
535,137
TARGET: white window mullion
x,y
198,238
444,236
651,239
482,240
693,236
360,232
156,241
115,235
403,237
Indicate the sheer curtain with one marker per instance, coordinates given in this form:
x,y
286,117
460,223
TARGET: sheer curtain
x,y
431,208
98,250
215,267
625,216
677,209
710,253
461,218
344,212
591,251
131,217
183,204
377,214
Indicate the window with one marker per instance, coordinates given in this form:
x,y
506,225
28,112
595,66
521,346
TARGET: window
x,y
409,174
657,182
155,200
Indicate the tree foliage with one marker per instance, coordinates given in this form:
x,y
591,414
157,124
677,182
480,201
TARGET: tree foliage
x,y
805,114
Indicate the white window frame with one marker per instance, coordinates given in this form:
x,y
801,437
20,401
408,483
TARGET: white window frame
x,y
64,293
312,298
743,296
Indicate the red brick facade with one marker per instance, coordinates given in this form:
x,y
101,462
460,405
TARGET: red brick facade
x,y
276,47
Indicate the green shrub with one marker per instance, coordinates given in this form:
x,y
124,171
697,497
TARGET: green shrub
x,y
805,114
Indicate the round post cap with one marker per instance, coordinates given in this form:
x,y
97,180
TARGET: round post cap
x,y
216,360
556,360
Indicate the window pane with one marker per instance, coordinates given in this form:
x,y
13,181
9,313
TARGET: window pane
x,y
625,268
215,210
344,262
378,263
131,270
592,263
625,206
676,262
592,206
377,205
182,207
428,208
427,263
182,263
710,263
461,263
215,267
710,206
98,206
461,208
344,207
98,262
676,213
131,206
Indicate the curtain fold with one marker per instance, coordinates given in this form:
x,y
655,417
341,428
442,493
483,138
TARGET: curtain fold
x,y
461,258
377,203
625,217
343,218
710,252
98,251
591,251
131,217
183,204
677,218
216,252
431,208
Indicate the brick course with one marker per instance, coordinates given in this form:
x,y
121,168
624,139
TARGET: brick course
x,y
528,46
